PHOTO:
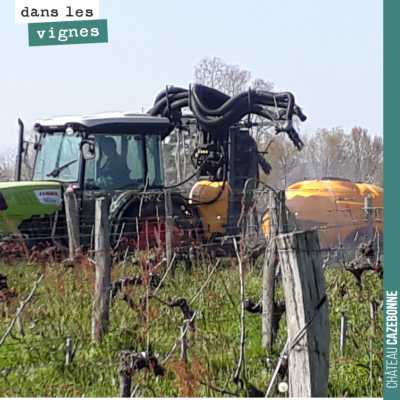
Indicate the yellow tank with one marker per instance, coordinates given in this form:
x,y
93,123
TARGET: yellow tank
x,y
214,216
335,207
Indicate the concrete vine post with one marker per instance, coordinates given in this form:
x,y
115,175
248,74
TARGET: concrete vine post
x,y
343,333
68,353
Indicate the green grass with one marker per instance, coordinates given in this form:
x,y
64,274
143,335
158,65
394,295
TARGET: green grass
x,y
61,308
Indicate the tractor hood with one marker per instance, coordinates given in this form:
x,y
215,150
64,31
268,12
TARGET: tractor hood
x,y
22,200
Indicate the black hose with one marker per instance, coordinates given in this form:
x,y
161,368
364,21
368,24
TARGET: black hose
x,y
176,105
192,176
171,90
187,179
215,111
162,103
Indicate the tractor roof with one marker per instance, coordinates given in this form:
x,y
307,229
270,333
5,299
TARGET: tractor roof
x,y
108,122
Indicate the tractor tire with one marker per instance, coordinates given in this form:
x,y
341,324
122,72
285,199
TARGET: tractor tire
x,y
151,226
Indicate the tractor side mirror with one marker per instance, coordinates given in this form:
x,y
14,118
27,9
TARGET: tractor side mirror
x,y
88,150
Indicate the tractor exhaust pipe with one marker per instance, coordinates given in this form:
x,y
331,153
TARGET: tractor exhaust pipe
x,y
20,150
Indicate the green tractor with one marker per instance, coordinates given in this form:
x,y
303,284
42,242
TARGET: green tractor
x,y
111,154
119,155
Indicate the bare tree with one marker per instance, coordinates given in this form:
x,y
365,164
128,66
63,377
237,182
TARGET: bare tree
x,y
377,160
235,79
286,162
262,84
210,72
327,153
366,154
7,167
357,155
8,159
216,73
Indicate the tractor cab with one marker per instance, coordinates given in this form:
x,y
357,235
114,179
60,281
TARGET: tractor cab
x,y
109,154
106,152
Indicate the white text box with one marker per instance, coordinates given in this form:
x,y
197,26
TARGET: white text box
x,y
31,11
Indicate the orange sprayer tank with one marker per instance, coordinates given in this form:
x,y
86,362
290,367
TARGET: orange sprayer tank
x,y
215,215
335,207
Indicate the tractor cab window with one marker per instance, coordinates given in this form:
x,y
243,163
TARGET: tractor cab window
x,y
124,162
118,163
58,157
154,161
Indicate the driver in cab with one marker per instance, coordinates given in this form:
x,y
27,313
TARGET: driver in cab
x,y
115,169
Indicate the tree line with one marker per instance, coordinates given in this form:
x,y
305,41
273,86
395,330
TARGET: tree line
x,y
356,155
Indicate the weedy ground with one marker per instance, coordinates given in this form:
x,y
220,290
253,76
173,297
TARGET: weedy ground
x,y
32,359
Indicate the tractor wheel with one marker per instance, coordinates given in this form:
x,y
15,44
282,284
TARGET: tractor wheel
x,y
148,231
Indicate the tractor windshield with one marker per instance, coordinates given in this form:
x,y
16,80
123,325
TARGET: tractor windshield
x,y
58,157
124,162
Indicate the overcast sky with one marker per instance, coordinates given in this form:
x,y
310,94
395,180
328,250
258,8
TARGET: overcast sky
x,y
328,53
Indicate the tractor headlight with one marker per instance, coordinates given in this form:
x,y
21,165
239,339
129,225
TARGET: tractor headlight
x,y
69,131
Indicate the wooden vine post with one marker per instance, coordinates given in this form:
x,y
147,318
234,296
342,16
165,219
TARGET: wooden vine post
x,y
306,303
125,374
72,218
169,226
101,304
281,207
183,343
277,224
